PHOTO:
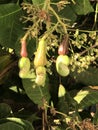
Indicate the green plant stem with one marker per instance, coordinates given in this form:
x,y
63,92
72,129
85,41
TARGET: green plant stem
x,y
50,31
45,35
85,31
25,36
46,4
58,18
95,17
30,29
73,1
63,114
83,52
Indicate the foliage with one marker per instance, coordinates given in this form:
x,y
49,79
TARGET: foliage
x,y
46,91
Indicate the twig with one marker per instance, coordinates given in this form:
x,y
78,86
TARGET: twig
x,y
43,120
58,18
83,52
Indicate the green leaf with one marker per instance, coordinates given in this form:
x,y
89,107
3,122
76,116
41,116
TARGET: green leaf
x,y
68,14
87,77
5,60
86,97
10,24
95,119
82,7
81,95
38,2
5,110
36,93
10,126
5,1
33,117
26,125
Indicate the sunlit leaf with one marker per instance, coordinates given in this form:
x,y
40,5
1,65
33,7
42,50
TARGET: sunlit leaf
x,y
61,91
81,95
86,97
16,122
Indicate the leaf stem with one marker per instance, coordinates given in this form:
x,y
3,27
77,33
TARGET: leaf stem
x,y
50,31
58,18
85,31
25,36
96,15
46,4
58,112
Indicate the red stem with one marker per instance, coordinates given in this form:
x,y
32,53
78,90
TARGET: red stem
x,y
23,51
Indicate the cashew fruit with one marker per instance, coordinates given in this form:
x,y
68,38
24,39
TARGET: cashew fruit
x,y
40,76
62,63
24,65
40,55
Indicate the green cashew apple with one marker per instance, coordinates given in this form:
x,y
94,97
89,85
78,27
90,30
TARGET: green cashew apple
x,y
40,70
40,76
40,80
62,63
24,62
24,65
64,59
23,73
